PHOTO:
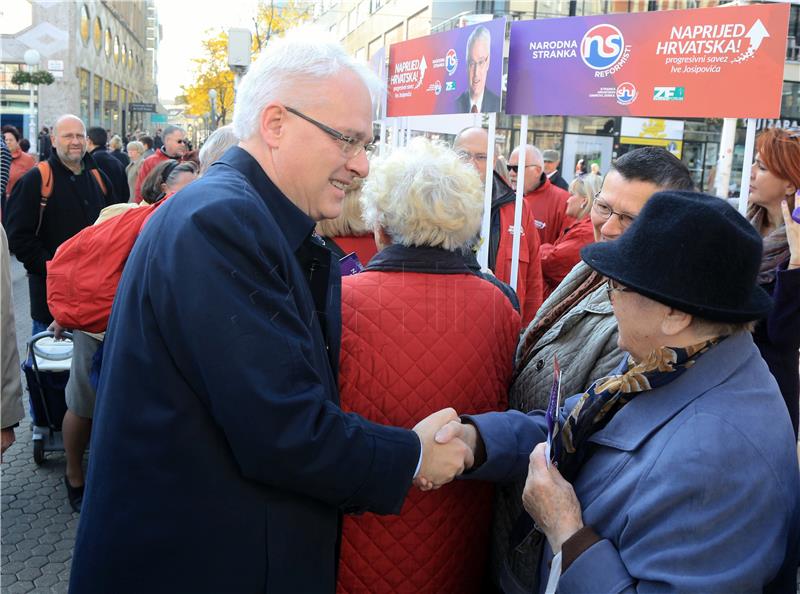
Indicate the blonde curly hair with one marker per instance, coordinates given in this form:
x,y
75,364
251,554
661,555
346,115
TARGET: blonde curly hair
x,y
424,195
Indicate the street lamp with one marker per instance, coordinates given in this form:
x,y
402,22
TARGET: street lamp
x,y
212,95
32,58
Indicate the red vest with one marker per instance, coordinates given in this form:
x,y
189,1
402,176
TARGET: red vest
x,y
412,344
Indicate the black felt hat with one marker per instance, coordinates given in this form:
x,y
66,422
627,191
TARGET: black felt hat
x,y
690,251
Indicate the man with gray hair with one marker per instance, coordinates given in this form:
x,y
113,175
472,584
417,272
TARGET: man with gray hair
x,y
478,99
221,460
548,202
219,141
552,159
174,148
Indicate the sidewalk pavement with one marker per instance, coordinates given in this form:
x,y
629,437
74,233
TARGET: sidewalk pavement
x,y
38,525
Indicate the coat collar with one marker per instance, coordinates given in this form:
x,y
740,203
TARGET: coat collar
x,y
400,258
295,224
649,411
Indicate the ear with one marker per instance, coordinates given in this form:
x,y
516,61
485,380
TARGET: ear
x,y
382,238
272,124
675,322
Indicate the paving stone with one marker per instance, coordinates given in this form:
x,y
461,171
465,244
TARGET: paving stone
x,y
36,561
42,549
7,579
62,544
19,555
46,581
61,555
12,538
17,528
12,567
29,574
21,587
52,568
49,538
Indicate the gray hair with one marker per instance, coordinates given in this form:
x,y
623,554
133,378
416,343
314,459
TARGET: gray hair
x,y
135,145
115,142
169,130
533,156
480,32
215,146
288,65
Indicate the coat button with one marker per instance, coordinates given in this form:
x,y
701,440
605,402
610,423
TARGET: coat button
x,y
539,364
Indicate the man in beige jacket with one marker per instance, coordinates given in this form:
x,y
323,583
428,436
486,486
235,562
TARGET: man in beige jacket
x,y
11,409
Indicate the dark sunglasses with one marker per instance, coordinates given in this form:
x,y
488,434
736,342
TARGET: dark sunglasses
x,y
515,168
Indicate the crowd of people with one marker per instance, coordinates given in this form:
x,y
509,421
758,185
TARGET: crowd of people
x,y
251,395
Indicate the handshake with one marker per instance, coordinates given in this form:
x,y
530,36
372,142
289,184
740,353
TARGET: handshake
x,y
449,447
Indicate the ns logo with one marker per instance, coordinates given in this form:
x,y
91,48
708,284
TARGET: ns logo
x,y
451,61
602,47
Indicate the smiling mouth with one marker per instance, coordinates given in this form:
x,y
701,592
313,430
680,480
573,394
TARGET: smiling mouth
x,y
339,185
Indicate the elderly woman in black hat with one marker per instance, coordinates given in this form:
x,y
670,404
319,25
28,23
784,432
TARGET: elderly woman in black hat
x,y
677,472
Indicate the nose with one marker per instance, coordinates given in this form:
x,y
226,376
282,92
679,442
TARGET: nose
x,y
611,228
359,164
753,171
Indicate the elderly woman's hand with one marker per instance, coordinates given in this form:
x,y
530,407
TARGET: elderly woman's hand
x,y
792,235
550,500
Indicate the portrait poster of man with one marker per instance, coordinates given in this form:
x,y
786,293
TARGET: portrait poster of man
x,y
457,71
477,98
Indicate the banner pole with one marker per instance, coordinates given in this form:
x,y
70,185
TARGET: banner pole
x,y
483,252
747,165
395,142
382,152
725,162
523,139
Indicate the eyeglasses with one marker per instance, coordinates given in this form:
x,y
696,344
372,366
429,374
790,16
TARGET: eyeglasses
x,y
613,286
515,168
350,146
480,63
604,211
468,156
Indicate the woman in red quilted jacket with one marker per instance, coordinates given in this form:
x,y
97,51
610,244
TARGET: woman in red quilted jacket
x,y
560,257
421,332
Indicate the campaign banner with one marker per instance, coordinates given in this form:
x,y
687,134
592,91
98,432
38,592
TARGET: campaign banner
x,y
709,62
458,71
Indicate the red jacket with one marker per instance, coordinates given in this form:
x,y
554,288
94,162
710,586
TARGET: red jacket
x,y
530,286
549,206
21,163
560,257
414,342
147,166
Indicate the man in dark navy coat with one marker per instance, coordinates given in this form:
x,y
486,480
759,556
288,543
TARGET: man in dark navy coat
x,y
221,461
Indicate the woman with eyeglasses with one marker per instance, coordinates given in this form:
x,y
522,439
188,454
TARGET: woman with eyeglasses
x,y
560,257
774,185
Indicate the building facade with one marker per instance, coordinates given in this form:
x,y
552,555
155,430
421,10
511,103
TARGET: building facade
x,y
367,26
102,54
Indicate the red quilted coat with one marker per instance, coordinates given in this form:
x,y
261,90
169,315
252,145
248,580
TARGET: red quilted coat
x,y
421,333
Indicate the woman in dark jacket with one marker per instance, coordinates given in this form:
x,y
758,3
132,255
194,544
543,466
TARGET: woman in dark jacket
x,y
774,183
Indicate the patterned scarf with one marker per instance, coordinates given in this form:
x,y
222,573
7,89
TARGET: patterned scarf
x,y
598,405
606,397
776,245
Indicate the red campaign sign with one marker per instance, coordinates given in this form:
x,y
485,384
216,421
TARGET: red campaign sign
x,y
710,62
453,72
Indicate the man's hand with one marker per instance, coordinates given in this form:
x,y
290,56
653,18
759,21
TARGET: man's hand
x,y
57,330
550,500
441,462
7,439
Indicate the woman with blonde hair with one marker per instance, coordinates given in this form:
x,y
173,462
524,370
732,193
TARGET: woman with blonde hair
x,y
774,184
558,258
348,233
115,144
421,331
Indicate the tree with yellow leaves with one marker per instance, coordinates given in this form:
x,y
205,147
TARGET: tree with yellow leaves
x,y
212,71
